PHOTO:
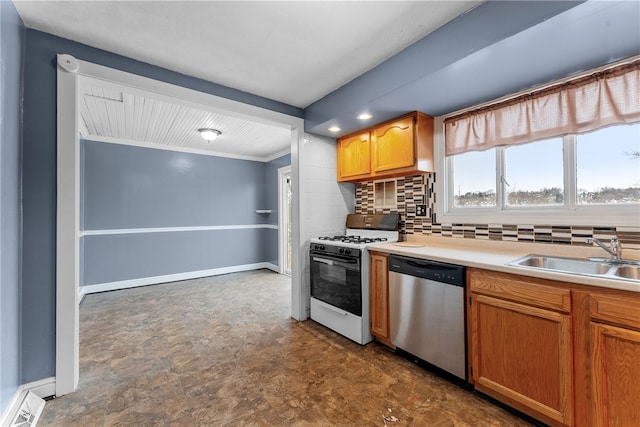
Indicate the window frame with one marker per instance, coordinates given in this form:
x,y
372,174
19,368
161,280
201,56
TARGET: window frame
x,y
570,213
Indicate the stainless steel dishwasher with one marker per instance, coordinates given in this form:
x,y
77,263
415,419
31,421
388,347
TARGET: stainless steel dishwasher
x,y
426,311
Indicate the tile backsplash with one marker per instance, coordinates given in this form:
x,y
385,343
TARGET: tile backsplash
x,y
419,190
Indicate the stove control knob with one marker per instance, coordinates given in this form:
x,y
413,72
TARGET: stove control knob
x,y
347,251
321,247
341,250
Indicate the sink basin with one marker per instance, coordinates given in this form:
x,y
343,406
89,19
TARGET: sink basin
x,y
568,265
628,272
597,267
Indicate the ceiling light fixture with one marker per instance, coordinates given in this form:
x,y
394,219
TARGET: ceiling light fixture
x,y
364,116
209,134
334,129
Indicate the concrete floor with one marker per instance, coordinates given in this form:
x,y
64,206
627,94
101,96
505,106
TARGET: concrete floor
x,y
223,351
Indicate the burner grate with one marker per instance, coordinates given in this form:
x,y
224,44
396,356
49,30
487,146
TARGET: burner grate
x,y
354,239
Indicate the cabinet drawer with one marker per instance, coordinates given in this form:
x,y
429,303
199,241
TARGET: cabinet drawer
x,y
520,289
622,310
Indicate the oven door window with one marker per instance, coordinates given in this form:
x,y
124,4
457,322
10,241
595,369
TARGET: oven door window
x,y
336,281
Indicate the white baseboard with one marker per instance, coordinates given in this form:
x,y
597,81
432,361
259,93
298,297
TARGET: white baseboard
x,y
144,281
42,388
272,267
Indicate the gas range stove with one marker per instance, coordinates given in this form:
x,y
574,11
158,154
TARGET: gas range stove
x,y
339,274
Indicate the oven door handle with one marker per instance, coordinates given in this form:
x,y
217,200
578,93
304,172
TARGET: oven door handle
x,y
322,260
346,263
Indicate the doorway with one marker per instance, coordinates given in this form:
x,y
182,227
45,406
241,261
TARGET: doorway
x,y
68,192
285,201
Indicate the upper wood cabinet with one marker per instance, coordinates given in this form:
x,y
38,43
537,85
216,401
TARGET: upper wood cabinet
x,y
399,147
354,154
393,145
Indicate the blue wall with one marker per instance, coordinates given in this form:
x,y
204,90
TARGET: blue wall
x,y
126,187
39,179
134,187
11,39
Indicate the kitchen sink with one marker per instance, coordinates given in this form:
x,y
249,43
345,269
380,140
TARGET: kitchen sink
x,y
603,268
631,272
569,265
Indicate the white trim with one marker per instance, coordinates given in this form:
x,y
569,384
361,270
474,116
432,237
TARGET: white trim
x,y
299,297
42,388
175,229
67,332
272,267
151,145
277,155
282,219
67,227
154,280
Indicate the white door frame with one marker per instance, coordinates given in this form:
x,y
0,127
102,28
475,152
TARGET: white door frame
x,y
69,71
283,219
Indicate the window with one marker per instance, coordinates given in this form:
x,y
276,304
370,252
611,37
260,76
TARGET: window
x,y
563,153
384,194
533,174
474,179
593,177
608,166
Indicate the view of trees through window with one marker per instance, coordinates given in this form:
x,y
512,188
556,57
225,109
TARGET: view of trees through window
x,y
474,179
606,167
534,173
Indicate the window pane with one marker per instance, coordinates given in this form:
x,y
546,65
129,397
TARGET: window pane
x,y
608,165
474,179
378,195
390,194
534,173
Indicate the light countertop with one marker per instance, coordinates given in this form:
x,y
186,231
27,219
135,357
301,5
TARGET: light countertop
x,y
494,255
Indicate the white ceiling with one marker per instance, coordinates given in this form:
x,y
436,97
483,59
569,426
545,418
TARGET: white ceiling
x,y
294,52
290,51
118,114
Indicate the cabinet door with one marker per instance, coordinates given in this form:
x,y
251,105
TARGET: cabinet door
x,y
379,298
522,356
354,157
394,145
616,376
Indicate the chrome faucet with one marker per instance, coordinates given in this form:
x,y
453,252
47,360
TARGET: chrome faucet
x,y
615,251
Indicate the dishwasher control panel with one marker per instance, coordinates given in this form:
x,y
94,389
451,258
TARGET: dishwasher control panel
x,y
426,269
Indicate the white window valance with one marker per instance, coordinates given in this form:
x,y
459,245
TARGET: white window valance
x,y
601,99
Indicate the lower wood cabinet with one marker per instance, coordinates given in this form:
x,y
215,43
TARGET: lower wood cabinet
x,y
615,360
616,376
564,353
523,356
379,297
